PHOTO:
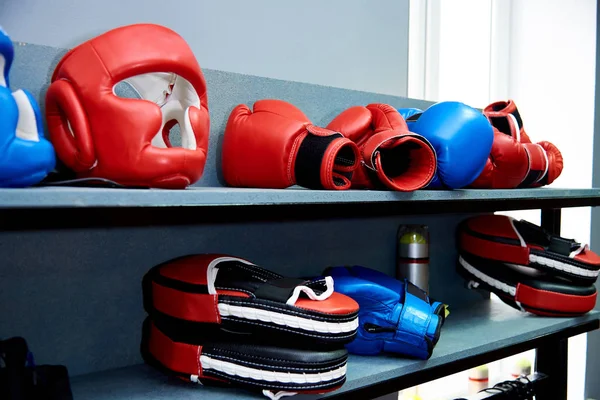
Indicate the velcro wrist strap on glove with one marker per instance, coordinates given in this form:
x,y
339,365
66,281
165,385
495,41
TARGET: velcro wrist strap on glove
x,y
538,165
325,160
505,116
418,329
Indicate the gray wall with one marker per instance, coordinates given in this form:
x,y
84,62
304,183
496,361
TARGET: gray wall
x,y
354,44
592,383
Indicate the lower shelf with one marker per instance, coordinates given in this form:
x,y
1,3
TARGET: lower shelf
x,y
472,336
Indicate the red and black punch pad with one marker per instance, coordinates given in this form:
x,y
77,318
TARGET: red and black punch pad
x,y
208,292
210,360
505,239
526,291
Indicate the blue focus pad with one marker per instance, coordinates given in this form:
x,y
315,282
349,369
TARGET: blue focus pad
x,y
26,157
395,316
462,137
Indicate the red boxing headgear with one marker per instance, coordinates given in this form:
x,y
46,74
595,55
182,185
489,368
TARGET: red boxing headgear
x,y
98,134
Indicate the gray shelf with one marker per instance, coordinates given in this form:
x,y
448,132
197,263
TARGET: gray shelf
x,y
469,333
73,197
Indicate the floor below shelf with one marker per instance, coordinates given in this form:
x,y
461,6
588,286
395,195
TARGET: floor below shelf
x,y
483,328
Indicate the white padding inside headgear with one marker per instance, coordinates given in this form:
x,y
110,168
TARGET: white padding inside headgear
x,y
174,95
2,64
27,125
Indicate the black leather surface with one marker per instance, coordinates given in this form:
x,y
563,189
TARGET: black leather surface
x,y
500,271
287,309
564,259
274,358
255,332
252,384
234,274
563,288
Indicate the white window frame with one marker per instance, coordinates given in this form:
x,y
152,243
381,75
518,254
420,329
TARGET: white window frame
x,y
424,50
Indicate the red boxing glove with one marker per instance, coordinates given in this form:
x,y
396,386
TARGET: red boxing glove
x,y
545,164
506,166
514,160
276,146
391,155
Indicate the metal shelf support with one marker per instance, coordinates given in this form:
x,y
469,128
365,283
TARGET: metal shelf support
x,y
551,358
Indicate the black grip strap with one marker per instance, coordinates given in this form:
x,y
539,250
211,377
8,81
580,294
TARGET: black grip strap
x,y
309,159
563,246
416,291
517,116
502,124
534,234
241,276
515,113
414,117
279,290
533,176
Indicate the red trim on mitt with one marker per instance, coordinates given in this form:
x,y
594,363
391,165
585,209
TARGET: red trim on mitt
x,y
179,357
493,225
493,250
187,306
546,300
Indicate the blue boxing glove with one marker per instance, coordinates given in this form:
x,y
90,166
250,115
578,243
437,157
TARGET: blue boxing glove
x,y
409,112
394,317
26,157
391,283
462,137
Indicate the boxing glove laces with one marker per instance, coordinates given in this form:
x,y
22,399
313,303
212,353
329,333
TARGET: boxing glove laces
x,y
391,156
26,157
514,160
275,145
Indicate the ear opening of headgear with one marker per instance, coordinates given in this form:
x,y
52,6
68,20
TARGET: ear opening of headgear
x,y
174,95
69,128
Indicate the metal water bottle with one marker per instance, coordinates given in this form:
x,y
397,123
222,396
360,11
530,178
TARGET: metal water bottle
x,y
413,255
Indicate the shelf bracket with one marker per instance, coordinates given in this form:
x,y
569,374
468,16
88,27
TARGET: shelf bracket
x,y
551,220
551,358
